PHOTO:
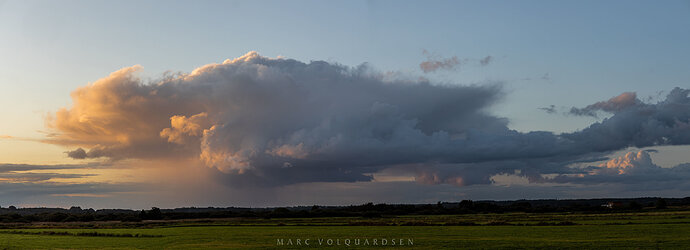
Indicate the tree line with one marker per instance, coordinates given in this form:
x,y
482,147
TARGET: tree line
x,y
369,210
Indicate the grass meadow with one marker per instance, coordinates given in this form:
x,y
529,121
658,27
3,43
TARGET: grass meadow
x,y
646,230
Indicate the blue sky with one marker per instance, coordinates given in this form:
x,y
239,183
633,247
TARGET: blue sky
x,y
590,51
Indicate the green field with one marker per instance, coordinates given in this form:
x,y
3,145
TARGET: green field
x,y
665,230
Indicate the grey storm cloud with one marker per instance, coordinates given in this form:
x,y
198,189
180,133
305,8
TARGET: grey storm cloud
x,y
79,153
639,124
262,121
633,169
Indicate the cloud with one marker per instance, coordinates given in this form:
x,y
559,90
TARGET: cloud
x,y
486,60
639,124
546,77
5,168
79,153
435,62
54,194
613,105
19,173
635,169
37,177
551,109
253,115
445,64
260,121
182,127
628,163
633,125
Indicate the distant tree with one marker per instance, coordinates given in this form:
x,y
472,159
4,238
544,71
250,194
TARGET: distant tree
x,y
155,214
12,208
466,204
71,217
57,217
661,204
281,211
128,217
522,206
634,205
87,217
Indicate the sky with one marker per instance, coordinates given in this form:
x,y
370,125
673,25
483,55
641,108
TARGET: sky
x,y
134,104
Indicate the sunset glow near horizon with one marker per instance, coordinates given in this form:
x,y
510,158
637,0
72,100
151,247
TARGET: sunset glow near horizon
x,y
128,104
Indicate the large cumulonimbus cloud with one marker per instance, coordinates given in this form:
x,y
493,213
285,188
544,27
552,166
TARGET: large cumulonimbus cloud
x,y
280,121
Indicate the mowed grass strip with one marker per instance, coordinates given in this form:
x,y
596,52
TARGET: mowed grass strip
x,y
665,236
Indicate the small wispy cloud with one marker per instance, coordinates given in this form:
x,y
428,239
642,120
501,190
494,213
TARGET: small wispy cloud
x,y
551,109
435,62
486,60
38,177
5,168
546,77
